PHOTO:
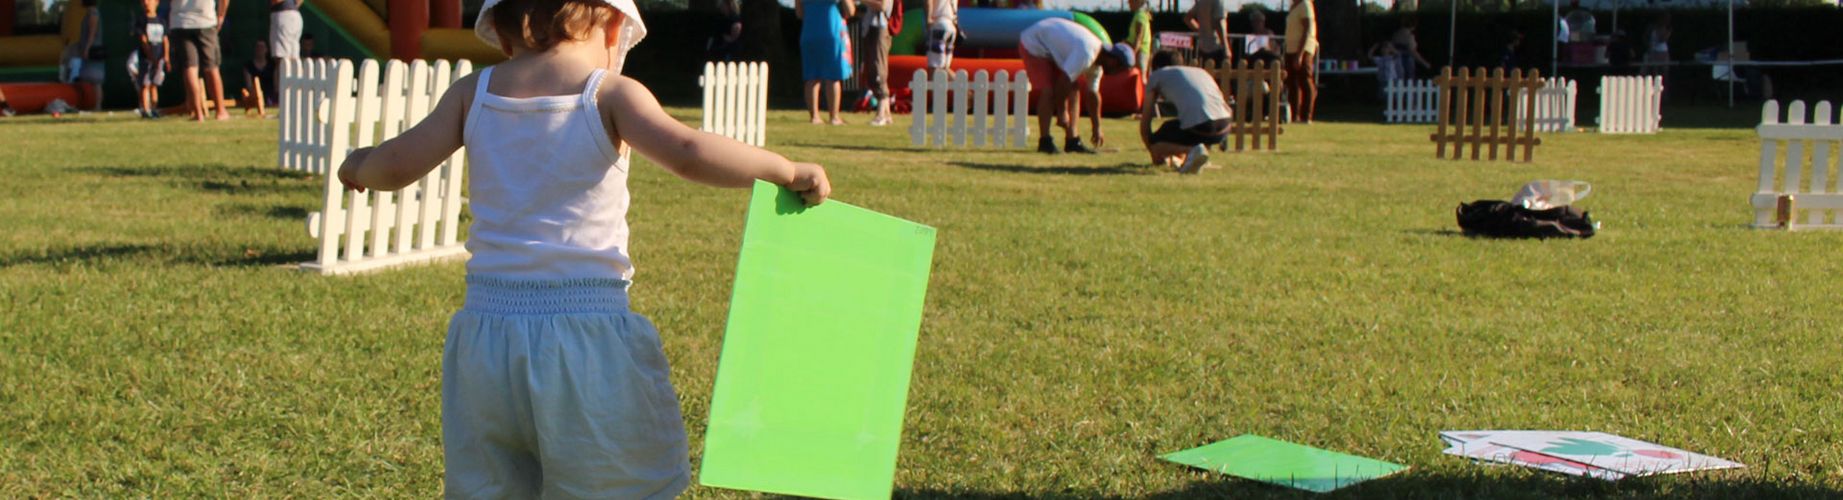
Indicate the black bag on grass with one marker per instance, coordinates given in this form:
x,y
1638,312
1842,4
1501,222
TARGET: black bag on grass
x,y
1501,219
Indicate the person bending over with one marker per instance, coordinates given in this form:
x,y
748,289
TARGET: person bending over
x,y
1059,54
1203,116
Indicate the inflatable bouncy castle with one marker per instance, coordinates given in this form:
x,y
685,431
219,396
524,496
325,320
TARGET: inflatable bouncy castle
x,y
989,41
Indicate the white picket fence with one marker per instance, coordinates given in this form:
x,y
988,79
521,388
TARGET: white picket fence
x,y
1631,104
736,100
373,230
1805,173
1555,104
952,108
1410,101
305,86
1418,101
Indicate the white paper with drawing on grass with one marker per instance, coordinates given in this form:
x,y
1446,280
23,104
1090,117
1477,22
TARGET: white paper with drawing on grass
x,y
1475,445
1580,453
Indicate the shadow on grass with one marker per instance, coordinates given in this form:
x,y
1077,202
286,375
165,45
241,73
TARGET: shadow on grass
x,y
1435,232
1120,169
1444,485
245,187
217,178
297,214
197,172
159,254
857,147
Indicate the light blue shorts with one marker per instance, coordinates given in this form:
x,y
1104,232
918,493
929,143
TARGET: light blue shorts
x,y
553,389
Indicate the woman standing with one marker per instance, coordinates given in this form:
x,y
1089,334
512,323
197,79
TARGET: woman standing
x,y
285,28
825,52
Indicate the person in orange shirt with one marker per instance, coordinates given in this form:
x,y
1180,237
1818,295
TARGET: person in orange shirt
x,y
1302,60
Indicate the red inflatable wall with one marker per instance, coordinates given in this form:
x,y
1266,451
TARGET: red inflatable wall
x,y
1121,93
32,97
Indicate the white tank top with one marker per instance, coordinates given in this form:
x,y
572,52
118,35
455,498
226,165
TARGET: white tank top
x,y
547,189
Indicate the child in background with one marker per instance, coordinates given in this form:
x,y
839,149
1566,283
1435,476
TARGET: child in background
x,y
551,387
1139,37
259,92
149,68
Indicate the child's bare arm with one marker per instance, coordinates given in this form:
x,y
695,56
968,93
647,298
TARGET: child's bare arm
x,y
701,156
402,160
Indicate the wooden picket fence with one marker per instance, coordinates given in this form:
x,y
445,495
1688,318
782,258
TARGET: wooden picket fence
x,y
1410,101
305,86
1256,91
1805,176
376,229
1554,105
736,100
1631,104
952,108
1477,100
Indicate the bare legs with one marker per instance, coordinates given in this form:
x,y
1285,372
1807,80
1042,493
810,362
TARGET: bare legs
x,y
195,94
216,82
147,99
1166,153
812,101
814,90
837,88
1047,106
1301,86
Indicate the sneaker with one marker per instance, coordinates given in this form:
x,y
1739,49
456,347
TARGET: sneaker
x,y
140,112
1046,145
153,113
1193,162
7,110
1074,145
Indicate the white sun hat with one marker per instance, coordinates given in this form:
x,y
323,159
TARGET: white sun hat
x,y
632,28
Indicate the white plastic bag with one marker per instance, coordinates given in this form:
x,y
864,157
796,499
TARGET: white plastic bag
x,y
1547,194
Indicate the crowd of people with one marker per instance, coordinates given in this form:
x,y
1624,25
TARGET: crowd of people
x,y
183,34
1063,58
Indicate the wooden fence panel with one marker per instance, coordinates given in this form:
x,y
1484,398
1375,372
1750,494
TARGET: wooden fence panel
x,y
1256,101
1486,103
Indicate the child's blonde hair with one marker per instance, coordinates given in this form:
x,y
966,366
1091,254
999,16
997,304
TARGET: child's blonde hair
x,y
539,25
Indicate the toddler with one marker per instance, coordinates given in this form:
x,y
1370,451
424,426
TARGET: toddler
x,y
551,387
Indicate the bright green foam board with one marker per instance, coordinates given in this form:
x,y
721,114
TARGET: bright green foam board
x,y
814,374
1282,463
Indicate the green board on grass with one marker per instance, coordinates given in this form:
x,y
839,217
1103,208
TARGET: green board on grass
x,y
1286,464
814,375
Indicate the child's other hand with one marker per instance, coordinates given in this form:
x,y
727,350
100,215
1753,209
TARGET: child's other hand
x,y
348,171
810,181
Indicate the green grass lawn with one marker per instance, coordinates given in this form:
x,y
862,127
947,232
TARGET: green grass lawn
x,y
1087,313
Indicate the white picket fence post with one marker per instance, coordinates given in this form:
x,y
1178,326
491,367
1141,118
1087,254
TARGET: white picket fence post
x,y
373,230
1807,149
1555,104
1631,104
953,107
736,100
1410,101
